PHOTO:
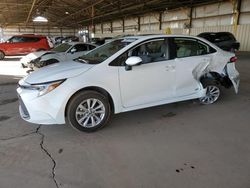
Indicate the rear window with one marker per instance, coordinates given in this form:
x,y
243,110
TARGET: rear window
x,y
217,37
224,37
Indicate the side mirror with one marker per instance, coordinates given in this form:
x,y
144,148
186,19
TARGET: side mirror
x,y
73,50
134,60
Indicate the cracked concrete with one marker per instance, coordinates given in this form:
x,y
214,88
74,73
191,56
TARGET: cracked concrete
x,y
48,154
178,145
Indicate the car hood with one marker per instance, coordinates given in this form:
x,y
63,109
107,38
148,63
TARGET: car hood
x,y
32,56
57,71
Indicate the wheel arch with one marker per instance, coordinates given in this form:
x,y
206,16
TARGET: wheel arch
x,y
92,88
215,76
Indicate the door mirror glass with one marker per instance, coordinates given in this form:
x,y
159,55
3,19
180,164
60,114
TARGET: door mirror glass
x,y
132,61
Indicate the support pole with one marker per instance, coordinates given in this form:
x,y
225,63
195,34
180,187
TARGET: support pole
x,y
236,14
123,25
139,23
160,21
30,12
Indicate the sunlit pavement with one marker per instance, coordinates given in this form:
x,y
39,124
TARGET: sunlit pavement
x,y
12,66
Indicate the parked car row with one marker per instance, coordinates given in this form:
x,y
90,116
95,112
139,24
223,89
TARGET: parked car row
x,y
24,44
27,43
224,40
62,52
60,40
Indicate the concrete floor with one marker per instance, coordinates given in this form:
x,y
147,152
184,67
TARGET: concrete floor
x,y
178,145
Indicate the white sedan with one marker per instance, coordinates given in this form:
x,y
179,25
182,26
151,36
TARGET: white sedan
x,y
62,52
126,74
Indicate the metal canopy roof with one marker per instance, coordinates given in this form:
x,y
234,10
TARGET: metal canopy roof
x,y
77,13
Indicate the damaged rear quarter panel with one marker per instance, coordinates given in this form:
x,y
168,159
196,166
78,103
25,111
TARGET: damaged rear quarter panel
x,y
217,63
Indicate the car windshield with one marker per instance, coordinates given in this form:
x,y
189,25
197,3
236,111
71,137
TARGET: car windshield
x,y
61,48
103,52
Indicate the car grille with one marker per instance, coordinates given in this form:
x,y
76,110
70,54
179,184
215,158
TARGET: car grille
x,y
25,112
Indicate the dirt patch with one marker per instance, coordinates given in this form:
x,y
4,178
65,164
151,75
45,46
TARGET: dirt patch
x,y
170,114
8,83
3,118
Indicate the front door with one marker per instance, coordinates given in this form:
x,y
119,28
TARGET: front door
x,y
153,80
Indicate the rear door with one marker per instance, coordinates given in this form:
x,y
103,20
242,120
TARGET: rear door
x,y
189,53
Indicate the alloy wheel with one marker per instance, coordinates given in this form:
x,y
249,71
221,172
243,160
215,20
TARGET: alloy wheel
x,y
90,113
212,95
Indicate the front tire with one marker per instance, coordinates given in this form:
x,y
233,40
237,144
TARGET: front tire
x,y
213,92
88,111
2,55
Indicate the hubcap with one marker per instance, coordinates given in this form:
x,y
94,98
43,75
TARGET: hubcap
x,y
212,95
90,113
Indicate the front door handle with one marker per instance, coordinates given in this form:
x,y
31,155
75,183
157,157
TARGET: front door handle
x,y
170,67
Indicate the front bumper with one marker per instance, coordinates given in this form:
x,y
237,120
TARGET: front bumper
x,y
38,110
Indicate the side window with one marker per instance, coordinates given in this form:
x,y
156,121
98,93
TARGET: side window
x,y
16,39
80,47
152,51
149,52
187,47
203,49
30,39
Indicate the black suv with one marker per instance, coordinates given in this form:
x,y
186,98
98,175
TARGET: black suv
x,y
224,40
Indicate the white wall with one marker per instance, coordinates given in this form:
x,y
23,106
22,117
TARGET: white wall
x,y
212,17
7,32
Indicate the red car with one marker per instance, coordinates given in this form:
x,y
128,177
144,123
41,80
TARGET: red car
x,y
23,44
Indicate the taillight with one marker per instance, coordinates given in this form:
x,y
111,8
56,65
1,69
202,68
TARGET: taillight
x,y
233,59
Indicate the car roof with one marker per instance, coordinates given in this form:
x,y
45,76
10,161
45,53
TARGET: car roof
x,y
30,35
214,33
145,37
74,43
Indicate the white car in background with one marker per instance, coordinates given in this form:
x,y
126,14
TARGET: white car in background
x,y
126,74
62,52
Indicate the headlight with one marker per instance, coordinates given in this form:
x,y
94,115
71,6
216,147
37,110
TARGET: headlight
x,y
45,88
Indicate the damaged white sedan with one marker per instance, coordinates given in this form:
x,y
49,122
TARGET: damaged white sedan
x,y
126,74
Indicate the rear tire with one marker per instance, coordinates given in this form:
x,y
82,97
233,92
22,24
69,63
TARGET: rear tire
x,y
213,92
88,111
2,55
